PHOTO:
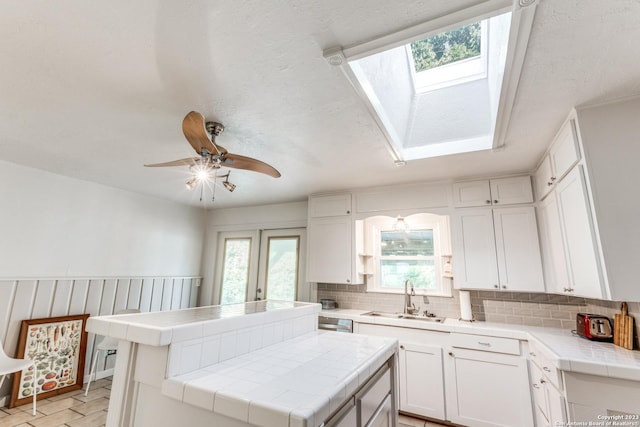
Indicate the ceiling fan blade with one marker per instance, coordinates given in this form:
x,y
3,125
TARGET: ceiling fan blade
x,y
182,162
193,127
241,162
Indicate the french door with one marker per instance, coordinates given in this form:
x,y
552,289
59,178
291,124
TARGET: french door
x,y
260,264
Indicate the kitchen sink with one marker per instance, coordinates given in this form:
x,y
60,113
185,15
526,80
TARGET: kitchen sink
x,y
403,316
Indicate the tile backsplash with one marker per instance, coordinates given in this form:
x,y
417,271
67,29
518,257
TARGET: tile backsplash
x,y
523,308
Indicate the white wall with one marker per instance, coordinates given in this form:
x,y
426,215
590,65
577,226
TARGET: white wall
x,y
54,226
282,215
70,247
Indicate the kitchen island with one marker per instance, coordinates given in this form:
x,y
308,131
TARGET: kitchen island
x,y
253,364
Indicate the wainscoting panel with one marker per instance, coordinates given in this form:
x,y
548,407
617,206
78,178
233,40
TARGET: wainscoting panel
x,y
37,298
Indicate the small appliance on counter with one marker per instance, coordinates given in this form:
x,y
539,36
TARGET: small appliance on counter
x,y
594,327
328,304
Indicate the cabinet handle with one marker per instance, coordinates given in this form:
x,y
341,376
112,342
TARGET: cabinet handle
x,y
532,354
486,344
496,286
495,202
451,354
535,385
348,281
504,286
549,183
401,347
488,202
542,381
546,369
348,212
568,289
553,179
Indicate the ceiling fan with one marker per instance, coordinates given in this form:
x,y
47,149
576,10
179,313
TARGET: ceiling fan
x,y
202,137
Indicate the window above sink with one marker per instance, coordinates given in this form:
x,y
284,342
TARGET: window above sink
x,y
417,252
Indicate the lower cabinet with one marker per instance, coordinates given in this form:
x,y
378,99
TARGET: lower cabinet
x,y
421,381
467,379
420,370
487,388
548,400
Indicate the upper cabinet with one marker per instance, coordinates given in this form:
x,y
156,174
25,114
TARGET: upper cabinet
x,y
331,231
563,154
591,232
333,205
497,249
500,191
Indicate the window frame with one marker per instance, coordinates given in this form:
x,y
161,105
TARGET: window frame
x,y
441,243
452,74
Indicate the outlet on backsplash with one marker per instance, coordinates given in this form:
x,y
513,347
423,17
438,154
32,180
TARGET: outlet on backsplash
x,y
533,309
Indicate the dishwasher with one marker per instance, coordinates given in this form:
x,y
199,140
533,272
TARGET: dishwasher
x,y
334,324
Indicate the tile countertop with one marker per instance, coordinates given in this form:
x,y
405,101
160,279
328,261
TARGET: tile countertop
x,y
164,327
567,351
296,383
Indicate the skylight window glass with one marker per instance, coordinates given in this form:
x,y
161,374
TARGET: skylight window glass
x,y
447,47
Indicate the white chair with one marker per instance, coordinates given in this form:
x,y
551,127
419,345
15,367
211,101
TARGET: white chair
x,y
9,365
107,344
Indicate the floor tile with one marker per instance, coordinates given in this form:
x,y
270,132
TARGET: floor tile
x,y
57,419
92,406
92,420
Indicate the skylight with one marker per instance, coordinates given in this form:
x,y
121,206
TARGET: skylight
x,y
445,86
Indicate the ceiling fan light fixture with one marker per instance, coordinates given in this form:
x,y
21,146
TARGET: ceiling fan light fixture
x,y
228,185
191,184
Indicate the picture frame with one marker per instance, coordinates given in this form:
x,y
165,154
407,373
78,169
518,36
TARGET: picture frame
x,y
59,346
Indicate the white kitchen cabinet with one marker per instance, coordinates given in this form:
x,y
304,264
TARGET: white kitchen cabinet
x,y
487,388
581,251
331,241
420,369
564,153
497,249
549,401
421,382
499,191
331,205
553,253
331,251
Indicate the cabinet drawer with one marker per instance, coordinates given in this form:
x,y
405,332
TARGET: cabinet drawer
x,y
374,393
483,343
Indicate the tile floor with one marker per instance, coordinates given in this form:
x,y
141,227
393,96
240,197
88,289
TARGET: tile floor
x,y
74,410
405,421
66,410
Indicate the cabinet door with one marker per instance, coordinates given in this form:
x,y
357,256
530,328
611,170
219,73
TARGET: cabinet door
x,y
555,263
471,193
488,389
330,250
564,152
334,205
583,261
509,191
421,380
518,249
542,178
556,406
474,264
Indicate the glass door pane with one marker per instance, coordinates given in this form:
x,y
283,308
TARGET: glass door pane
x,y
282,268
235,270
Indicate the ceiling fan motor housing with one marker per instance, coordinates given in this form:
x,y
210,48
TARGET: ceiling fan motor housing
x,y
214,128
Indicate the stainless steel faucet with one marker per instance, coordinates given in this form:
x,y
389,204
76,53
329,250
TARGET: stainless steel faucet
x,y
409,307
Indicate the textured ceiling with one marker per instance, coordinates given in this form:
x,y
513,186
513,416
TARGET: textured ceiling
x,y
94,90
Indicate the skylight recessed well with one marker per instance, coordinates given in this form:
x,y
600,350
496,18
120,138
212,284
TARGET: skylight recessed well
x,y
445,86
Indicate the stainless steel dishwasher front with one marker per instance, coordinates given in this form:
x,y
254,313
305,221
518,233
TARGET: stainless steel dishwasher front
x,y
333,324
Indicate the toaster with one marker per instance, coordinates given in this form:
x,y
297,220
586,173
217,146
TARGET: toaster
x,y
594,327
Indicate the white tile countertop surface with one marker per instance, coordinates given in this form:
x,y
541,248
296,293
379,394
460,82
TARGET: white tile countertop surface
x,y
296,383
164,327
567,351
